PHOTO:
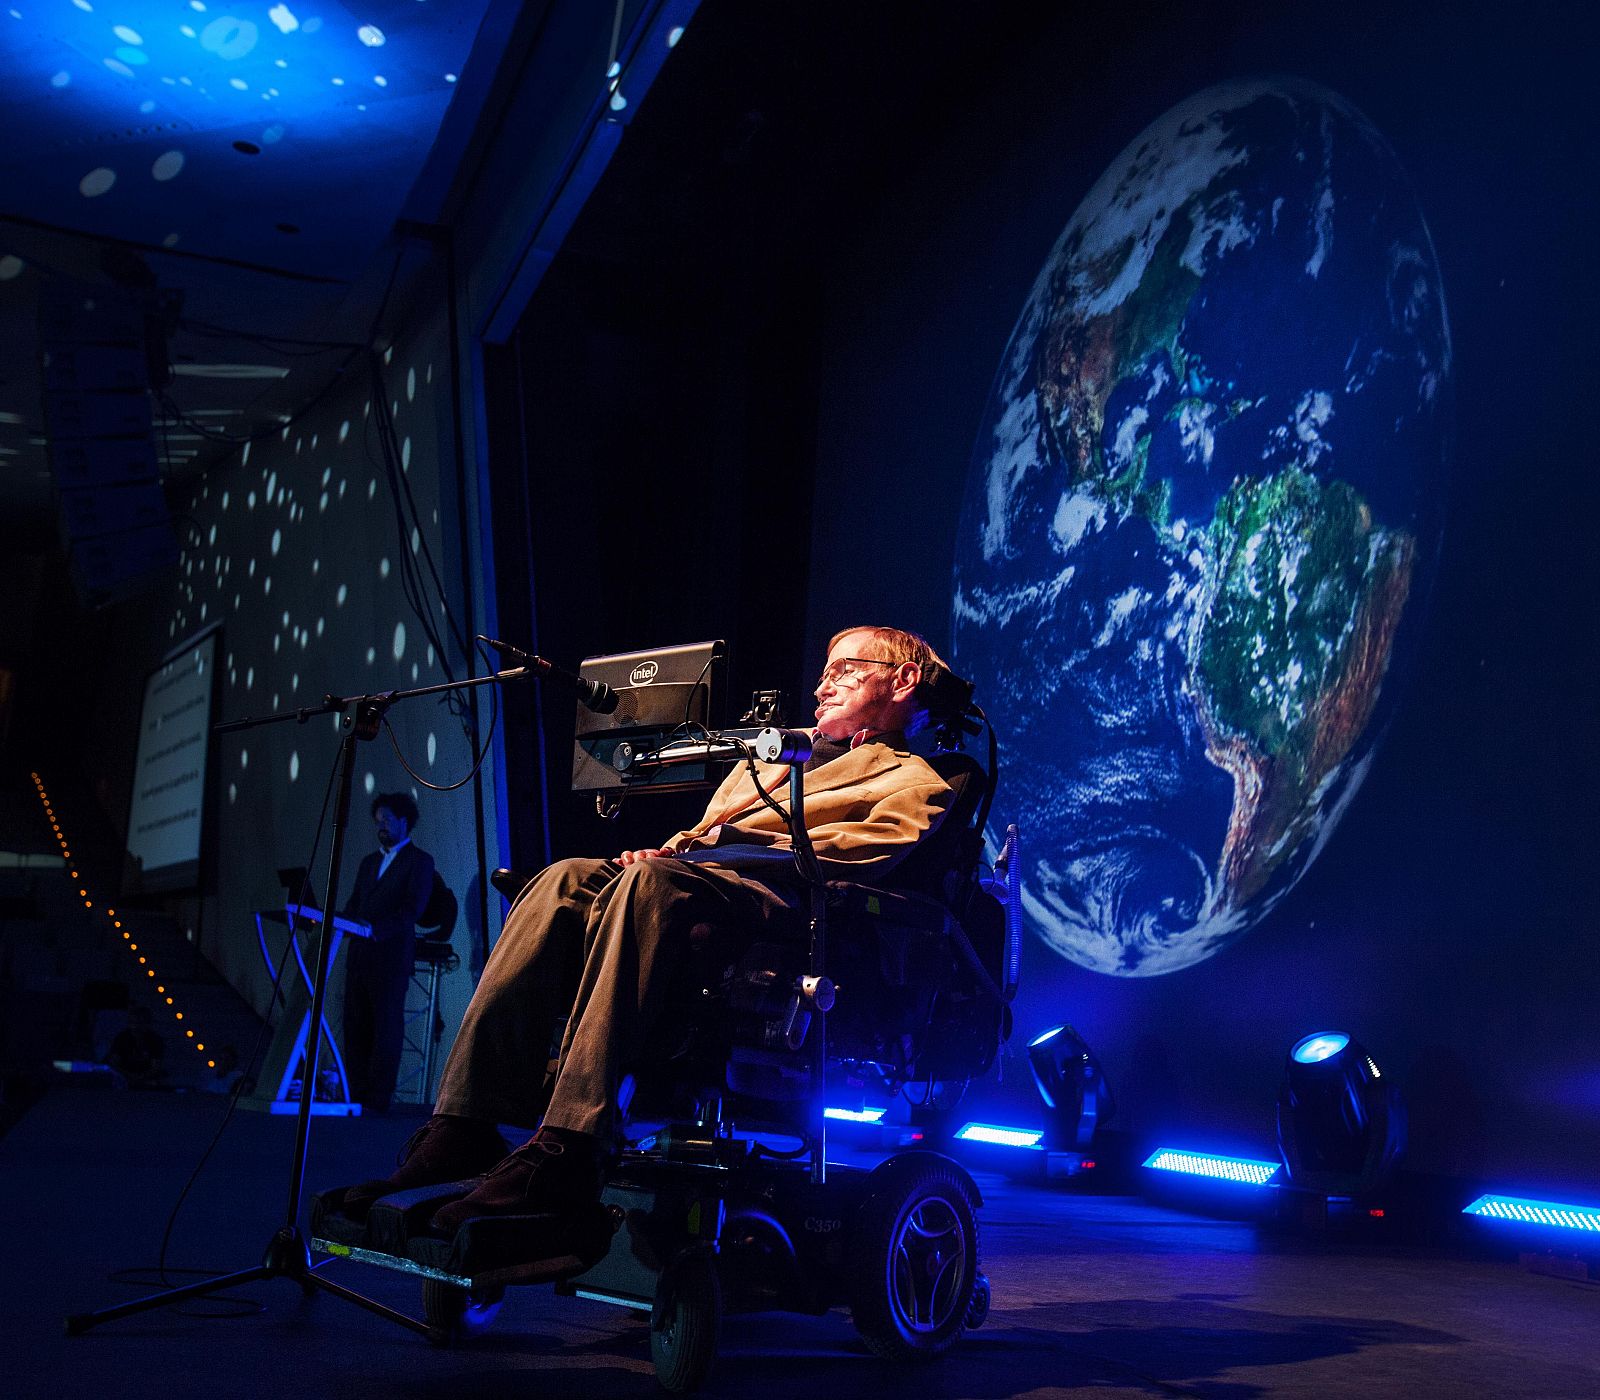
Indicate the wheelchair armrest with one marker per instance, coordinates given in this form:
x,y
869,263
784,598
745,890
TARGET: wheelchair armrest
x,y
918,911
902,907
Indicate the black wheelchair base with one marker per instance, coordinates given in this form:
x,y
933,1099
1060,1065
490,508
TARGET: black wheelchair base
x,y
690,1242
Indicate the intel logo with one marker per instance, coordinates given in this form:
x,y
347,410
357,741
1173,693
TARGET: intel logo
x,y
644,673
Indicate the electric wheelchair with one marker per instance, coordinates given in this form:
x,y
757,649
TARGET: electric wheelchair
x,y
725,1200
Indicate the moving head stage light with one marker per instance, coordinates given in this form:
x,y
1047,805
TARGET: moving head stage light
x,y
1076,1096
1341,1123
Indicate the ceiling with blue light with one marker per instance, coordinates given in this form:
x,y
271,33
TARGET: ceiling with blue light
x,y
254,156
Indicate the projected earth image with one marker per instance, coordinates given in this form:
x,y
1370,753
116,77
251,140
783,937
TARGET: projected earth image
x,y
1203,502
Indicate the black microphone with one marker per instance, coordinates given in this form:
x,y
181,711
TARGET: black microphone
x,y
593,695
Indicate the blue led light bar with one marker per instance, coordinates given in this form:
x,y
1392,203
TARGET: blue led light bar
x,y
1001,1137
1526,1212
855,1115
1240,1169
1316,1048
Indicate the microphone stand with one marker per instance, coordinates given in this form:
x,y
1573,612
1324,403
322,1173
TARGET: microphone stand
x,y
287,1253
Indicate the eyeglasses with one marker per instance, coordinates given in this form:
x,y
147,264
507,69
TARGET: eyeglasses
x,y
849,670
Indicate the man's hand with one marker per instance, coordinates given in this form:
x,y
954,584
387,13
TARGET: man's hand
x,y
651,853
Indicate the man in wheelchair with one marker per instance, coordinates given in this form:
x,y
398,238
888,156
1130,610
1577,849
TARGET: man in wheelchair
x,y
604,942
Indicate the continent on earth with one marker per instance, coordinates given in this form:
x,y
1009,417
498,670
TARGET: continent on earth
x,y
1306,594
1202,510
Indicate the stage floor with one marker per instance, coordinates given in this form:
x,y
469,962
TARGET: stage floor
x,y
1091,1294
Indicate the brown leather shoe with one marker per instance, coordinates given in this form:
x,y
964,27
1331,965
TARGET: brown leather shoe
x,y
443,1149
553,1171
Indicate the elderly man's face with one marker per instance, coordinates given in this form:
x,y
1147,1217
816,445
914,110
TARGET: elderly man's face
x,y
859,690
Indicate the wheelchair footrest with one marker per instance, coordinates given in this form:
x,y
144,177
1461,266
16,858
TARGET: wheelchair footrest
x,y
520,1248
485,1250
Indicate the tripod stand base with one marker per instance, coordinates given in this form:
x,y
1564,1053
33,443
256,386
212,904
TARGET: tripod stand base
x,y
287,1256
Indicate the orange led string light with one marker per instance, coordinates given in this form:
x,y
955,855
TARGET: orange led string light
x,y
111,914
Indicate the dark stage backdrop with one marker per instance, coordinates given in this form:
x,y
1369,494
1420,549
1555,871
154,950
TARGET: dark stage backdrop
x,y
298,548
1230,373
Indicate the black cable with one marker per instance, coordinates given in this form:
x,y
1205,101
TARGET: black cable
x,y
245,1077
207,328
206,431
494,716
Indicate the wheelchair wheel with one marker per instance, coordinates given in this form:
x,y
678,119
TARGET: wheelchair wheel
x,y
685,1322
459,1312
914,1260
978,1304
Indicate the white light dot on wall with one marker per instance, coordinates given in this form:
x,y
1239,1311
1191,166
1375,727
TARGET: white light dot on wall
x,y
286,617
251,571
61,79
294,684
405,455
250,501
371,36
167,166
11,266
327,475
341,595
277,540
430,653
342,485
433,748
372,655
233,792
266,585
416,539
274,699
294,766
249,677
236,602
415,670
225,499
272,484
372,488
211,536
316,567
322,622
244,758
244,455
383,567
399,640
202,612
411,384
369,783
344,430
277,642
97,182
322,503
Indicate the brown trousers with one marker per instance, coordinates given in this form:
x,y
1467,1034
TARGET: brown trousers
x,y
603,944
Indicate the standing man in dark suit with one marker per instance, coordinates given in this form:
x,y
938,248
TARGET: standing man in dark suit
x,y
392,889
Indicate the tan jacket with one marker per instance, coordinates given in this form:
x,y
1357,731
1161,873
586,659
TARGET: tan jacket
x,y
865,810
